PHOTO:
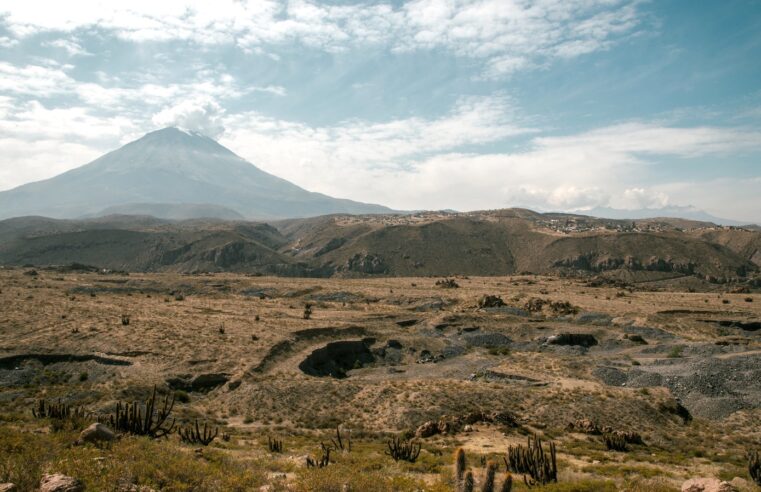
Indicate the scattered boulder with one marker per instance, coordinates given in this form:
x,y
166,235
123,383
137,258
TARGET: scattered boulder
x,y
96,434
489,301
580,339
427,429
8,487
407,322
59,482
707,485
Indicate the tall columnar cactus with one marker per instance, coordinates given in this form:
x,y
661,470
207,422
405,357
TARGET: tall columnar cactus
x,y
507,485
535,465
491,472
144,420
465,481
274,445
754,466
57,411
468,482
459,465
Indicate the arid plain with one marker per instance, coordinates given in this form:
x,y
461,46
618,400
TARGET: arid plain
x,y
569,360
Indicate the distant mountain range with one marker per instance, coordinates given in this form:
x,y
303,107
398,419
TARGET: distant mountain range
x,y
689,213
498,242
173,174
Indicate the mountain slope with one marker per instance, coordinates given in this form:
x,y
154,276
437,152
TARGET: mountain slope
x,y
171,166
484,243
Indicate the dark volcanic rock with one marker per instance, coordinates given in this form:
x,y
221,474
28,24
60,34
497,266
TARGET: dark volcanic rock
x,y
579,339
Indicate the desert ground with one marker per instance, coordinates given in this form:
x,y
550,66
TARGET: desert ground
x,y
293,359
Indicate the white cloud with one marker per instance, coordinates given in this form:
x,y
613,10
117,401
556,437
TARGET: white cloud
x,y
200,114
70,46
37,80
415,163
6,42
508,35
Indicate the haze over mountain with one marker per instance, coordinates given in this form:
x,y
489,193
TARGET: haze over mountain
x,y
167,168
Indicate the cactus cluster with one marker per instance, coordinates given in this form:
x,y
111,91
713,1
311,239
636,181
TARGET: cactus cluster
x,y
323,461
754,466
403,450
615,441
143,420
466,482
274,445
536,466
339,443
194,435
57,411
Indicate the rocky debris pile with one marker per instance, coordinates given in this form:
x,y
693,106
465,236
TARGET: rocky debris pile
x,y
710,387
447,283
59,482
452,424
707,485
486,339
555,308
596,319
426,357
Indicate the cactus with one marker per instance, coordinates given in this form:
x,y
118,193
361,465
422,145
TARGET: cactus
x,y
536,466
459,460
507,485
194,435
491,471
57,411
323,461
338,442
615,442
401,450
754,466
143,420
468,482
274,445
465,482
125,319
307,310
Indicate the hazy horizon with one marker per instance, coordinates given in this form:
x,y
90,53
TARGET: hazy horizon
x,y
427,104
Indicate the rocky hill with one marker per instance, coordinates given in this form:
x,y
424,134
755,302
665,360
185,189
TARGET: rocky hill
x,y
427,244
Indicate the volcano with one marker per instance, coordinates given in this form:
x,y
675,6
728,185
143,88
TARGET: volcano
x,y
172,173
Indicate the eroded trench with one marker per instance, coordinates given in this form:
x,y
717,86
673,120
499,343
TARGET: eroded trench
x,y
336,358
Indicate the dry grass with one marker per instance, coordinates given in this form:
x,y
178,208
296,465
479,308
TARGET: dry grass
x,y
174,331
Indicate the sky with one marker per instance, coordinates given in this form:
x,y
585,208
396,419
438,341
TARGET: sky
x,y
563,105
